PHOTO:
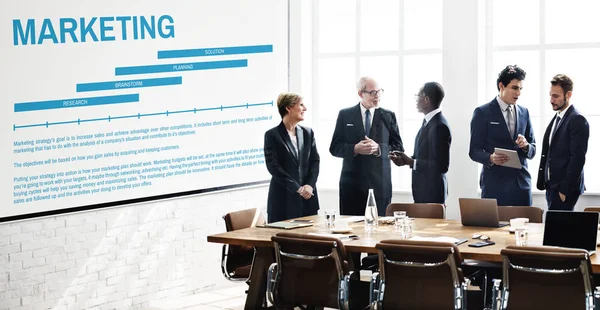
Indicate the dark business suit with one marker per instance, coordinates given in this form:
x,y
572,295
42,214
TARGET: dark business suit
x,y
432,154
362,172
509,186
289,171
565,158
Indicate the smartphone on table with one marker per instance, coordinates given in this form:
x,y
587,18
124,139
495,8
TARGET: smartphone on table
x,y
481,244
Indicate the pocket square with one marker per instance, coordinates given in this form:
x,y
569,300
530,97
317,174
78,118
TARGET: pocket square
x,y
350,125
494,123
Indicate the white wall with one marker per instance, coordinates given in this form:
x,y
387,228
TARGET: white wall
x,y
124,257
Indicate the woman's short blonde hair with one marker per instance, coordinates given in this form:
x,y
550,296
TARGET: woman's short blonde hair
x,y
287,100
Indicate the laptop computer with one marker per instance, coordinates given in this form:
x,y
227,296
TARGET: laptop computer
x,y
481,212
572,229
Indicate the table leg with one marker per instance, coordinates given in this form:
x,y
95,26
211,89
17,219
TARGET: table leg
x,y
258,279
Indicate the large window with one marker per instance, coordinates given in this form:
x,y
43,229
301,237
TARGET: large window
x,y
398,42
547,37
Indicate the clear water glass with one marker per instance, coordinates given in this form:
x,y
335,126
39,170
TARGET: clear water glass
x,y
398,218
521,236
329,217
406,228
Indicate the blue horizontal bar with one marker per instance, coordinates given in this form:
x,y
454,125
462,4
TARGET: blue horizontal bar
x,y
75,102
208,65
109,118
83,87
215,51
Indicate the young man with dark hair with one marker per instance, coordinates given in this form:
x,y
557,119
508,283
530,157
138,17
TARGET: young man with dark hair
x,y
502,123
431,157
563,149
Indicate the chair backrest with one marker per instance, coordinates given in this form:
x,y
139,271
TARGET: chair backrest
x,y
418,210
419,275
236,261
592,209
546,278
243,219
310,270
534,214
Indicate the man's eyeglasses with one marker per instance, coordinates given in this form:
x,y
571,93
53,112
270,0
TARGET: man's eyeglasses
x,y
373,93
481,237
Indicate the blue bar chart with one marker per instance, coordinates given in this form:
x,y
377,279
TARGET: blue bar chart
x,y
145,83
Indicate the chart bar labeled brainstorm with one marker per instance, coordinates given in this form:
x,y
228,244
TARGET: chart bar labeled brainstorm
x,y
111,85
75,102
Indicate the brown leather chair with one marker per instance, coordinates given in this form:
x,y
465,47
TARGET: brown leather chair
x,y
418,210
418,275
544,278
236,260
310,271
592,209
534,214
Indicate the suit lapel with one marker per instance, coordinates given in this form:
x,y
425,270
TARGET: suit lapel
x,y
287,141
358,121
548,131
562,121
424,131
300,135
376,123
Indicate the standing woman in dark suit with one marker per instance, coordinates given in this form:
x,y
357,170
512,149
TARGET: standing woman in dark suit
x,y
293,162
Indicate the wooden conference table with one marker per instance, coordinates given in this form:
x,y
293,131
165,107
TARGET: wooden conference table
x,y
260,238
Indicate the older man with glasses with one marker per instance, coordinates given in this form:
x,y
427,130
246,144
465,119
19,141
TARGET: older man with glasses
x,y
364,135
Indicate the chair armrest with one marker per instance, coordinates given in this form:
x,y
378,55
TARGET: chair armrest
x,y
271,281
496,295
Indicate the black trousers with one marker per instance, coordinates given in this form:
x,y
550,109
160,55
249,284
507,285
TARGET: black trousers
x,y
555,203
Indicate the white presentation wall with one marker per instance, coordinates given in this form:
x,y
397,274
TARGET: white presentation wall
x,y
105,101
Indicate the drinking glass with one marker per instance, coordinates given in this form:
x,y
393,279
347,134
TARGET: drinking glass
x,y
329,217
398,218
521,236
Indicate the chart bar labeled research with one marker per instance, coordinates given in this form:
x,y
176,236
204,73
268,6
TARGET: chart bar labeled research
x,y
191,66
75,102
123,84
215,51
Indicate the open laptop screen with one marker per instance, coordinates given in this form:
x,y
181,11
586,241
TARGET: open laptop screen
x,y
571,229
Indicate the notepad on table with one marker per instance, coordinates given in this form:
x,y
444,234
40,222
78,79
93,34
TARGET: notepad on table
x,y
285,225
339,236
440,239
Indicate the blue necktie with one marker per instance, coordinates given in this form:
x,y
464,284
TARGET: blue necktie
x,y
367,122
